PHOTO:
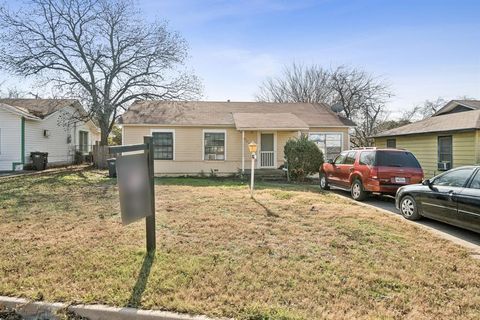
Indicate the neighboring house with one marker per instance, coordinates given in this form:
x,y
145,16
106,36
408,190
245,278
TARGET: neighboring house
x,y
195,137
448,139
44,125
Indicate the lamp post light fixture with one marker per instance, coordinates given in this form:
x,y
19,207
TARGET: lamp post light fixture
x,y
252,147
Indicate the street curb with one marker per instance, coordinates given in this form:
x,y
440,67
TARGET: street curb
x,y
474,250
48,310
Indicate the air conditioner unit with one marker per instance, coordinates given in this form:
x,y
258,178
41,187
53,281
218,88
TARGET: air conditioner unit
x,y
444,166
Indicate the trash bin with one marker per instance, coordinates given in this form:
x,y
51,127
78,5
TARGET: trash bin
x,y
39,160
112,168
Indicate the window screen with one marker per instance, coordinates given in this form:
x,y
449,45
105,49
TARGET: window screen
x,y
83,141
163,145
391,143
445,150
214,148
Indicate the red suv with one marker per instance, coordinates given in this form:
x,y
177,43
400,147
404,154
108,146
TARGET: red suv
x,y
371,170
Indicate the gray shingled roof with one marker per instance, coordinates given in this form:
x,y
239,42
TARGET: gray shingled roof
x,y
471,104
40,108
266,121
199,113
466,120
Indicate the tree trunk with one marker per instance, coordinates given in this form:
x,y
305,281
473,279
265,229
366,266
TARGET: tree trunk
x,y
104,134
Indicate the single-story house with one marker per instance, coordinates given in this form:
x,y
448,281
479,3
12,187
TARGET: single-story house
x,y
43,125
448,139
200,136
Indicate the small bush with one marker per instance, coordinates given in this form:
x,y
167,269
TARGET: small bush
x,y
303,157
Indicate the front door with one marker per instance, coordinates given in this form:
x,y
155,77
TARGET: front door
x,y
267,150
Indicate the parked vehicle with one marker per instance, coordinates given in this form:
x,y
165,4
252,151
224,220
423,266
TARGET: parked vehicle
x,y
370,170
452,197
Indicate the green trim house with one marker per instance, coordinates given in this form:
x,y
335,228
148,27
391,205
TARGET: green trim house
x,y
28,125
448,139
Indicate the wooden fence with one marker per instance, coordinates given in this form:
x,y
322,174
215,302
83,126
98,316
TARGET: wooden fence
x,y
100,156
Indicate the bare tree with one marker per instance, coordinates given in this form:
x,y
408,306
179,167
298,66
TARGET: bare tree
x,y
101,51
427,109
10,92
297,84
362,96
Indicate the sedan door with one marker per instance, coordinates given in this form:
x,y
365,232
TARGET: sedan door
x,y
469,205
440,201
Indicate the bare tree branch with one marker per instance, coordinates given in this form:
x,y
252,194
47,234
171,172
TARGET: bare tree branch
x,y
361,95
99,50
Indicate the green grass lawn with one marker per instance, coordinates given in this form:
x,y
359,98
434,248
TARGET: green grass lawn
x,y
290,253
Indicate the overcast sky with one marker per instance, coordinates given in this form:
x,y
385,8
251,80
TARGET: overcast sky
x,y
424,48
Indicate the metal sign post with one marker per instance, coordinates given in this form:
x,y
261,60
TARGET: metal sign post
x,y
252,147
136,186
252,176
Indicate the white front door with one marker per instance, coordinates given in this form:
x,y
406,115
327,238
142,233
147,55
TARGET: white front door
x,y
267,150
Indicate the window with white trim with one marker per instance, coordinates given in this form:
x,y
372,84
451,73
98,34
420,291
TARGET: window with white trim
x,y
214,145
163,145
330,143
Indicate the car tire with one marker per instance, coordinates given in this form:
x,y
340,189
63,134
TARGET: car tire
x,y
324,182
357,191
409,209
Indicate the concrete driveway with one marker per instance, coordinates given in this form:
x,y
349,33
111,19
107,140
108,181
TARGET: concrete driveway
x,y
465,238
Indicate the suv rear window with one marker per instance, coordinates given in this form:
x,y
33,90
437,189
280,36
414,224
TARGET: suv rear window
x,y
396,159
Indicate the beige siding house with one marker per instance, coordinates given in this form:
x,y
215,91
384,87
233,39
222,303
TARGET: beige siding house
x,y
204,137
448,139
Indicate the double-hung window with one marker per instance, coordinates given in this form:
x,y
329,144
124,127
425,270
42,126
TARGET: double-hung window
x,y
83,141
329,143
445,150
163,144
214,145
391,143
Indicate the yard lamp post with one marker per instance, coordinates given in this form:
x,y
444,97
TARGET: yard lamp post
x,y
252,147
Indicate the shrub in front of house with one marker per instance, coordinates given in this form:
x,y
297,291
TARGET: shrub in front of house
x,y
303,158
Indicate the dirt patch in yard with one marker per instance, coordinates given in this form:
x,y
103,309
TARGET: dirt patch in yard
x,y
291,253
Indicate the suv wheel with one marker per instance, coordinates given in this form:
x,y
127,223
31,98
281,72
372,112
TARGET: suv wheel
x,y
357,191
409,208
323,181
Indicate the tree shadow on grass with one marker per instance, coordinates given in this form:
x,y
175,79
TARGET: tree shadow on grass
x,y
137,292
269,212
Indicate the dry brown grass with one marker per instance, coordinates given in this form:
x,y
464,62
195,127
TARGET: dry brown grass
x,y
289,254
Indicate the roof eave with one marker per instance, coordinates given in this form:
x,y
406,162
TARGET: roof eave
x,y
275,129
423,132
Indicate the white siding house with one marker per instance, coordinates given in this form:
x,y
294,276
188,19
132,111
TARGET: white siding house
x,y
29,125
10,137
